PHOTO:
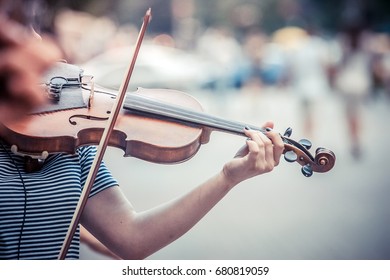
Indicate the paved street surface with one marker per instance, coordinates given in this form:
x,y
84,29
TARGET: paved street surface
x,y
342,214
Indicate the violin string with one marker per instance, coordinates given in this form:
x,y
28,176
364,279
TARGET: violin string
x,y
201,118
25,198
151,106
161,108
99,91
177,113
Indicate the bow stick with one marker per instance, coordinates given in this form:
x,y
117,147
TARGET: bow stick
x,y
104,141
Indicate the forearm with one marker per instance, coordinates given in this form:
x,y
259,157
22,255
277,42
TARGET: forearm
x,y
136,235
162,225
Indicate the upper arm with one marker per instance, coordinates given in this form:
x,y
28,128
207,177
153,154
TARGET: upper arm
x,y
109,216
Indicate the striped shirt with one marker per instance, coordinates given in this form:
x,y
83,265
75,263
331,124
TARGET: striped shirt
x,y
36,208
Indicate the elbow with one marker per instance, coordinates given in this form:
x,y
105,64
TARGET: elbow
x,y
135,249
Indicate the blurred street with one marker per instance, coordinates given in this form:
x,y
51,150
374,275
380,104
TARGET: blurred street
x,y
342,214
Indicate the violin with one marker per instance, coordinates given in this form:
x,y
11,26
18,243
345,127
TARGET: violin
x,y
157,125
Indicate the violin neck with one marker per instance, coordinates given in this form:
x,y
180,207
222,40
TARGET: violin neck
x,y
150,107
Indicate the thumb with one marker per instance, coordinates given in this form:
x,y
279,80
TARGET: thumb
x,y
243,151
269,124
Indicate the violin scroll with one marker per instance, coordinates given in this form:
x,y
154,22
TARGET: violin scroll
x,y
323,161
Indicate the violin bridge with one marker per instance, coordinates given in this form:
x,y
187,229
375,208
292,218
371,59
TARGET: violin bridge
x,y
88,80
91,94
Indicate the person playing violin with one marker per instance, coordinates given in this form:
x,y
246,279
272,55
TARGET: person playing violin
x,y
36,208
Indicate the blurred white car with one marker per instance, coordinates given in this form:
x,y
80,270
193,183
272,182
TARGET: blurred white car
x,y
156,67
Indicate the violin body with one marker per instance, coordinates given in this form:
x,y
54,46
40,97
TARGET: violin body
x,y
150,139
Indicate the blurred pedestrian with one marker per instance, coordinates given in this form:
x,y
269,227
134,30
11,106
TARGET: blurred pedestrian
x,y
307,62
354,81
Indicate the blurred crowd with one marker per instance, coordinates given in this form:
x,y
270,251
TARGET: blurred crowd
x,y
255,58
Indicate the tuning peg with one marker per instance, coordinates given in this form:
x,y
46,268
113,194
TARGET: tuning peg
x,y
307,170
288,132
305,143
290,156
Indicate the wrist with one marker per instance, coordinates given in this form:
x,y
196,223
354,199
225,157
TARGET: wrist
x,y
227,179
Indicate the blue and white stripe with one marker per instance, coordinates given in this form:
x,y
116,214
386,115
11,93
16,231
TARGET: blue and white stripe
x,y
45,205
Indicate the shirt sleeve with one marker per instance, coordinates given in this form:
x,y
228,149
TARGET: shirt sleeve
x,y
104,178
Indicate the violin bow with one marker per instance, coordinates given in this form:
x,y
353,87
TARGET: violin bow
x,y
104,140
